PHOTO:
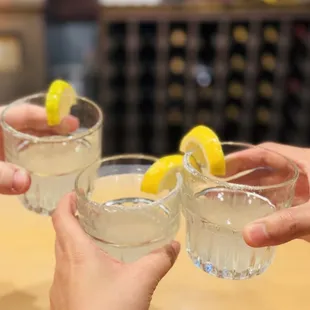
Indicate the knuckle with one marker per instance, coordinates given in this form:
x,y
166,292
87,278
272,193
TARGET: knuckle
x,y
56,219
6,175
170,254
3,171
269,145
289,222
2,174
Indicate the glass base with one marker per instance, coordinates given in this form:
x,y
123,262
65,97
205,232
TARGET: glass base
x,y
36,209
211,269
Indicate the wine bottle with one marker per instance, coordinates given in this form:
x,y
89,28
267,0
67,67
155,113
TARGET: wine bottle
x,y
177,65
263,116
265,90
237,62
268,62
175,91
240,34
271,35
178,38
232,112
235,90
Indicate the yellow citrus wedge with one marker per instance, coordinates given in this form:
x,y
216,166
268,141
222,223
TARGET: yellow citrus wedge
x,y
162,174
60,97
206,148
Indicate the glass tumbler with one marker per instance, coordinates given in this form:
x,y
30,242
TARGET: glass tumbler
x,y
53,155
124,221
257,182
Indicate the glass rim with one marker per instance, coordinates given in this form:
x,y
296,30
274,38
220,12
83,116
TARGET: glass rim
x,y
152,204
191,169
49,139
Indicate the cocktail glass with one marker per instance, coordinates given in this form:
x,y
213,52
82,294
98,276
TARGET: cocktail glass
x,y
53,158
124,221
257,182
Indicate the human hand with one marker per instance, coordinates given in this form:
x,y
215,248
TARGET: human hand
x,y
30,119
270,167
87,278
287,224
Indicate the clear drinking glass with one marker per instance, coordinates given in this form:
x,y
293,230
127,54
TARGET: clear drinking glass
x,y
257,182
124,221
53,155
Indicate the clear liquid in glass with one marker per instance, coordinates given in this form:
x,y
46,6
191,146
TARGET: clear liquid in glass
x,y
214,234
53,168
124,233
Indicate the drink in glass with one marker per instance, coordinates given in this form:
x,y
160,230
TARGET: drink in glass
x,y
124,221
52,158
257,183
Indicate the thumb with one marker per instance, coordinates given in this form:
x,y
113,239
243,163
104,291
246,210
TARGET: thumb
x,y
71,240
279,227
155,266
66,225
13,179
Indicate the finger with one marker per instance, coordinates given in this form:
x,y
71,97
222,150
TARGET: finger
x,y
59,252
260,176
249,158
300,156
57,248
155,266
69,233
13,179
279,227
269,164
42,133
28,116
305,238
270,168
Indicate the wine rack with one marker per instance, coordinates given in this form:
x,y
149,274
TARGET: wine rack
x,y
244,71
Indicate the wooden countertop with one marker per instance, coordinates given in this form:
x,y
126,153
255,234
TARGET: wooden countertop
x,y
26,270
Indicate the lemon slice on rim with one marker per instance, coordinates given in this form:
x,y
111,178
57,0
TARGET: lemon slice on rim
x,y
61,96
206,148
162,174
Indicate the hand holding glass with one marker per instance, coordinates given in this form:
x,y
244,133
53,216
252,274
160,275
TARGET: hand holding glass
x,y
257,183
53,155
124,221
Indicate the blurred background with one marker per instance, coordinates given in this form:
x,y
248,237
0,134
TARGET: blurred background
x,y
159,67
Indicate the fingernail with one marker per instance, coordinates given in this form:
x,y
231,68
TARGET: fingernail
x,y
20,180
257,233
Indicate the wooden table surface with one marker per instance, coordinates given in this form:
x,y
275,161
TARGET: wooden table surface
x,y
26,270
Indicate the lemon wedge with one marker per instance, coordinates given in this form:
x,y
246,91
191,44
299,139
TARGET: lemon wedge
x,y
162,174
60,97
206,148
